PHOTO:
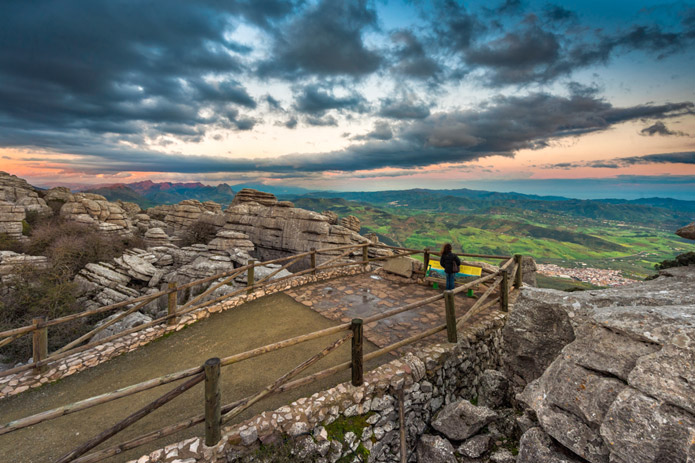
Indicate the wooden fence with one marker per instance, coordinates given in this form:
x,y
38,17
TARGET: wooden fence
x,y
216,414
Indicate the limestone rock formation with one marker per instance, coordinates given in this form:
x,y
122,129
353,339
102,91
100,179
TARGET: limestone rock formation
x,y
131,209
11,217
129,321
156,237
622,389
351,223
226,240
95,211
434,449
544,320
179,217
332,217
687,232
537,447
279,231
248,195
9,261
60,194
17,191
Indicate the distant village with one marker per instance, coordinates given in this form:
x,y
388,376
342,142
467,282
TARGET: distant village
x,y
595,276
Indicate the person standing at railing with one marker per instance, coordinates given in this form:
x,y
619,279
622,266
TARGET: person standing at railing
x,y
451,263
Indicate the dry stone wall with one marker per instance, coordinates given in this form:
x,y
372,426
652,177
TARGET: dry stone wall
x,y
347,421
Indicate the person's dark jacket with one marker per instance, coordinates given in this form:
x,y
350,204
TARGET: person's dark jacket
x,y
447,262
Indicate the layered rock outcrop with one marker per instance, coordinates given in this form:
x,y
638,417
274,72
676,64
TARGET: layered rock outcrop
x,y
278,230
17,191
610,374
181,216
95,211
9,261
11,217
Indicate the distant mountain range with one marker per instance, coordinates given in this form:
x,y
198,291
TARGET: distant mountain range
x,y
148,193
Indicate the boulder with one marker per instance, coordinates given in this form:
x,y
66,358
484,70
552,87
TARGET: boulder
x,y
434,449
136,266
474,447
11,217
131,209
536,446
10,261
460,420
17,191
687,232
493,390
60,194
351,223
402,266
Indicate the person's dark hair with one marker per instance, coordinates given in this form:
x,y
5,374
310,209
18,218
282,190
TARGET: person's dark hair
x,y
446,248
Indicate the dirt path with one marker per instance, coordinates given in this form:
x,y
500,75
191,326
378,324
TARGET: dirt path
x,y
254,324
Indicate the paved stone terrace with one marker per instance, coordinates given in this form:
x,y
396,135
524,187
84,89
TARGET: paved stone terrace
x,y
361,296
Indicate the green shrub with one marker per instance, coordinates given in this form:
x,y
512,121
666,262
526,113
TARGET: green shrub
x,y
682,260
26,228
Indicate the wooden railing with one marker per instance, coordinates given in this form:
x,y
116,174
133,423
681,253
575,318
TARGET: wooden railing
x,y
216,414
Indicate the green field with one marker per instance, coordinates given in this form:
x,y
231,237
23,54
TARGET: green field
x,y
568,240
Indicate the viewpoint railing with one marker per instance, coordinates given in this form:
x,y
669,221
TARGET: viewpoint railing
x,y
216,414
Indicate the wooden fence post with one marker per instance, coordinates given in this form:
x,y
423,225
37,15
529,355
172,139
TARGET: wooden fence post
x,y
39,342
517,281
426,259
365,255
250,276
171,302
504,292
451,334
356,327
213,404
313,261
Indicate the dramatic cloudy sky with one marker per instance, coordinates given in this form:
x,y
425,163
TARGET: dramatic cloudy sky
x,y
331,94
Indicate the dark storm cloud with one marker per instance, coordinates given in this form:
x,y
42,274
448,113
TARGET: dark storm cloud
x,y
316,100
559,13
456,27
659,128
122,67
687,157
325,40
411,58
382,131
403,108
500,127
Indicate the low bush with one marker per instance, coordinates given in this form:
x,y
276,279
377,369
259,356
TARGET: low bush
x,y
8,243
199,232
682,260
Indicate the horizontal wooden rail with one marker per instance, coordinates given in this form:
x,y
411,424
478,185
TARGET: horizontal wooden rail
x,y
341,248
470,284
477,307
133,418
97,400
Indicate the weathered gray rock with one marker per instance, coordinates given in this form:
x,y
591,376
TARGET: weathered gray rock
x,y
687,232
227,240
641,429
17,191
536,446
249,195
332,217
10,262
434,449
95,211
536,331
622,391
280,231
60,194
460,420
180,217
474,447
493,391
402,266
156,237
528,271
351,223
129,321
11,217
502,456
137,266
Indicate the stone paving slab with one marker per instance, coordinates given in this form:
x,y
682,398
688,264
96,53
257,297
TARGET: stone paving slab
x,y
364,295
